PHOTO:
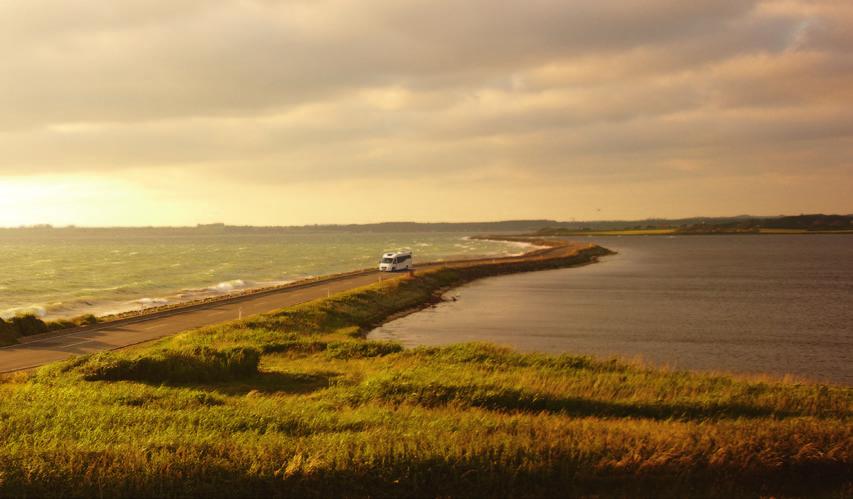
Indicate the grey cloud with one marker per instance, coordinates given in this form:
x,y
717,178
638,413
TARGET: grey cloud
x,y
271,91
142,62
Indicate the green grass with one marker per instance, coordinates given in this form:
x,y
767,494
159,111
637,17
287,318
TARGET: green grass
x,y
296,403
201,364
28,324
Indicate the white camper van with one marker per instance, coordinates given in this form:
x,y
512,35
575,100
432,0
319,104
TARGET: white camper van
x,y
396,260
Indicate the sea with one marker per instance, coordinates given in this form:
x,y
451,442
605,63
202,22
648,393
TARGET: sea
x,y
770,304
61,273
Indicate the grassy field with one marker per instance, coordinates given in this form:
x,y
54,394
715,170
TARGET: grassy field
x,y
297,403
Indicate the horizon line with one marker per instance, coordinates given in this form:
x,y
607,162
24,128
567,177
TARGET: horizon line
x,y
390,222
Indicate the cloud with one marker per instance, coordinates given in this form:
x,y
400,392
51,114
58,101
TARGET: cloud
x,y
72,61
274,92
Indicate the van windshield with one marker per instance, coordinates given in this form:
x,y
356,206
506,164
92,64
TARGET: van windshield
x,y
387,260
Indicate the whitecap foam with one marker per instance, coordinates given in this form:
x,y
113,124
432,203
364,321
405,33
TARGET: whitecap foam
x,y
151,302
226,286
523,246
37,310
98,290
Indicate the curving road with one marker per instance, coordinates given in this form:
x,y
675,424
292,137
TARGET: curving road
x,y
49,347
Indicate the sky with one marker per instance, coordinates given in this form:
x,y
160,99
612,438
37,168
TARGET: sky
x,y
267,112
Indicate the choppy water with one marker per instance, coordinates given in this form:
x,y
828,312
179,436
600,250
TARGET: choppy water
x,y
59,273
750,304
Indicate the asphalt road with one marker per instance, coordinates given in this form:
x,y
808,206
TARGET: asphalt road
x,y
50,349
58,346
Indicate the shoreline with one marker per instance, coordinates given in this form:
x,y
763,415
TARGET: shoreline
x,y
539,249
283,285
438,295
108,309
251,291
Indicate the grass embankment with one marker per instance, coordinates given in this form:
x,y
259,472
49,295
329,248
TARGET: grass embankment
x,y
298,403
29,324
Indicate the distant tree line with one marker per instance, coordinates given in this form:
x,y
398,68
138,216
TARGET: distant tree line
x,y
799,222
808,222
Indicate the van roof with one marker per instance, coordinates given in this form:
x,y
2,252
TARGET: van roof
x,y
392,254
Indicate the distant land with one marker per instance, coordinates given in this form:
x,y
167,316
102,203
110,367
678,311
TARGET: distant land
x,y
799,224
692,225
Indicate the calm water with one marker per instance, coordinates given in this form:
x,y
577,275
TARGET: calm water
x,y
64,273
775,304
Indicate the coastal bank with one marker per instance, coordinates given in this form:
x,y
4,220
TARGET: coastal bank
x,y
298,403
46,342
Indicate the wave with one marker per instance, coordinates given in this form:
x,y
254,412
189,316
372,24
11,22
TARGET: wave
x,y
37,310
55,310
521,245
97,290
122,290
226,286
151,302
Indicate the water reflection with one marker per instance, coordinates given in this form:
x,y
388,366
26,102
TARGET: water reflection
x,y
774,304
